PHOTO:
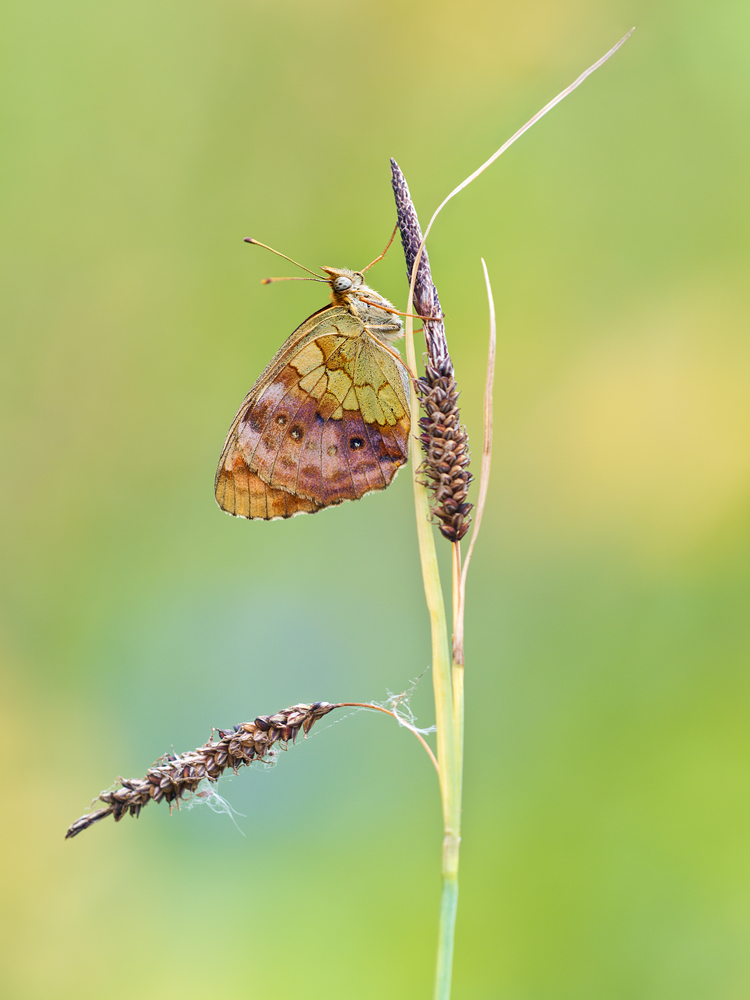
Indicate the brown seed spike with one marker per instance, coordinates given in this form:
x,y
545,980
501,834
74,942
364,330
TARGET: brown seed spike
x,y
445,444
175,777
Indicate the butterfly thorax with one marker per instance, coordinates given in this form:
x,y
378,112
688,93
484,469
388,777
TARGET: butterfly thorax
x,y
374,311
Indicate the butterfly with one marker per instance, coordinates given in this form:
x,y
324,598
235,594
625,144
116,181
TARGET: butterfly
x,y
328,420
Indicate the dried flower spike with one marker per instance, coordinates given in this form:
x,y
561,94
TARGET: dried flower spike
x,y
172,777
445,445
444,440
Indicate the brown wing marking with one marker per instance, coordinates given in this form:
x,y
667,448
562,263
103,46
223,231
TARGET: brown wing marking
x,y
262,427
301,445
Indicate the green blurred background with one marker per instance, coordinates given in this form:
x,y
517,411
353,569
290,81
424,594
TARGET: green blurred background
x,y
606,843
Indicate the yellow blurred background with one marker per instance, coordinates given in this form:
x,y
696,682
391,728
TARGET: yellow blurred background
x,y
606,847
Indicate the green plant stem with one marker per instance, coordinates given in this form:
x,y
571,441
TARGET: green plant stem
x,y
446,935
448,733
457,666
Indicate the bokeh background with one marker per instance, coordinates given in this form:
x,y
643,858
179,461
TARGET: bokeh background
x,y
607,823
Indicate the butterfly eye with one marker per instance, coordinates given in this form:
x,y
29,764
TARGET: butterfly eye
x,y
342,283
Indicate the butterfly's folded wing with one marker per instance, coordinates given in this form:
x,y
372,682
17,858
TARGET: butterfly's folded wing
x,y
327,421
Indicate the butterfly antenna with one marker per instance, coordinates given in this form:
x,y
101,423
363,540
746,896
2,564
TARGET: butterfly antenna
x,y
387,248
249,239
287,277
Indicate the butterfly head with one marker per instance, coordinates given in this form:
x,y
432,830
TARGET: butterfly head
x,y
344,283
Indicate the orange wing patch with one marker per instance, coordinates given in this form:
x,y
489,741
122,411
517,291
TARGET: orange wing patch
x,y
241,492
